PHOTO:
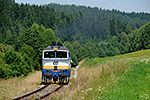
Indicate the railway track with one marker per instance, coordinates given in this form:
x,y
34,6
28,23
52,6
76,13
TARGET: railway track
x,y
40,93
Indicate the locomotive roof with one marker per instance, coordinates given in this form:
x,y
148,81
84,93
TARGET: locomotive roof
x,y
58,47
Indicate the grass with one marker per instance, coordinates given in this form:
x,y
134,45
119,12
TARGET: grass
x,y
91,79
114,78
121,77
15,87
135,84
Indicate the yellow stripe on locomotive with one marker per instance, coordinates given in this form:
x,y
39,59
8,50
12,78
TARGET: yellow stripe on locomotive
x,y
58,67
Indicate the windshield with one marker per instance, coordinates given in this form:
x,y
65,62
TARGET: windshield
x,y
53,54
49,54
61,54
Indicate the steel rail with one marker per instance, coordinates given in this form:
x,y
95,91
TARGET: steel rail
x,y
31,93
46,95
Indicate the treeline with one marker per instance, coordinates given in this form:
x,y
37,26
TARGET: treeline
x,y
100,32
27,29
83,30
137,19
25,55
120,39
15,19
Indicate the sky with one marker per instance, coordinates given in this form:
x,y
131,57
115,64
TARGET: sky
x,y
121,5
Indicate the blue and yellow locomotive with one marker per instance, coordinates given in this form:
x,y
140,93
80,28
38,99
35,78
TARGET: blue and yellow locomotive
x,y
56,64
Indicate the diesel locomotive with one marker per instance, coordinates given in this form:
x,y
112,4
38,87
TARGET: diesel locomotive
x,y
56,64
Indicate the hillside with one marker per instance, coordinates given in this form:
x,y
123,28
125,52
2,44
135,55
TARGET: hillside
x,y
86,32
95,38
119,77
137,19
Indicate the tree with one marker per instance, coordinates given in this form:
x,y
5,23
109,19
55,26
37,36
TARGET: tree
x,y
50,34
76,45
28,50
145,40
19,64
1,6
112,24
73,55
134,41
90,47
38,38
124,42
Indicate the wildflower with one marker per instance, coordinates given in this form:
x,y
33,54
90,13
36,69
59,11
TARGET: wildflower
x,y
103,88
99,89
134,93
86,93
95,98
99,86
146,77
90,89
145,94
141,95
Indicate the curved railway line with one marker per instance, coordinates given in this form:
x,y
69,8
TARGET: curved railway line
x,y
40,93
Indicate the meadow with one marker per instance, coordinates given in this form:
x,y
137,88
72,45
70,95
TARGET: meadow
x,y
119,77
15,87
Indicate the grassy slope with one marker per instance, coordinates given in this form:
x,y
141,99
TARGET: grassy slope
x,y
122,77
15,87
135,83
118,78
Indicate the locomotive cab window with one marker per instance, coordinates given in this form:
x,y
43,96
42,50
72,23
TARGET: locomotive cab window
x,y
49,54
52,54
60,54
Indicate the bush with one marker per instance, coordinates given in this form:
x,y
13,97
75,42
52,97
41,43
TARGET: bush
x,y
19,64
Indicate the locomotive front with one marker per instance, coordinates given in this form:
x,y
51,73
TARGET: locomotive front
x,y
56,64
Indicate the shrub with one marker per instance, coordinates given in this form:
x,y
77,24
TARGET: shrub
x,y
19,64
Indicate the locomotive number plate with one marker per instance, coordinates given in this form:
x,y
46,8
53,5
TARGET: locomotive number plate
x,y
55,63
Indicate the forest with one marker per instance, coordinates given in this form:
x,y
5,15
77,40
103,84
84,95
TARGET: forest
x,y
88,32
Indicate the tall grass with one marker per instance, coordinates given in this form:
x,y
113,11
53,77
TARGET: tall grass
x,y
105,75
114,78
118,78
135,84
15,87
